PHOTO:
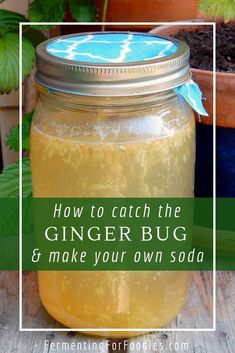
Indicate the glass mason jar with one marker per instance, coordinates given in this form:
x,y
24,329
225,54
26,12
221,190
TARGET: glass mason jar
x,y
99,133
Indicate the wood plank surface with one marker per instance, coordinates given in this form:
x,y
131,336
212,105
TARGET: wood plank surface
x,y
197,312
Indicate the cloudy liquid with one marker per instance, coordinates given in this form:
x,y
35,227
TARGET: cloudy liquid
x,y
69,167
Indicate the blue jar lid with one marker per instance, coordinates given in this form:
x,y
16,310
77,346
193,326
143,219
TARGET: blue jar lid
x,y
112,63
112,48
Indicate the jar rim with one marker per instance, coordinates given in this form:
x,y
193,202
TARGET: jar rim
x,y
112,79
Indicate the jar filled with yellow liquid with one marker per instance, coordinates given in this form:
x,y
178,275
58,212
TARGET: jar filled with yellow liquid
x,y
112,121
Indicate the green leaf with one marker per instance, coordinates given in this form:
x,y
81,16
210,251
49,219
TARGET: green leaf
x,y
34,36
28,57
9,21
12,139
9,64
47,11
83,10
218,8
9,180
9,224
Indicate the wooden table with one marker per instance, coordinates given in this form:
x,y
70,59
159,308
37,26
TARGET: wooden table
x,y
197,313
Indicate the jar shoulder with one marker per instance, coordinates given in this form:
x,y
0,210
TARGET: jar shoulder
x,y
113,123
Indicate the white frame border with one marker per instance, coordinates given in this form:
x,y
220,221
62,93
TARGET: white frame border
x,y
21,328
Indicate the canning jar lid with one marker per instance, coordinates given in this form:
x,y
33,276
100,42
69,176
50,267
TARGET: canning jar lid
x,y
112,63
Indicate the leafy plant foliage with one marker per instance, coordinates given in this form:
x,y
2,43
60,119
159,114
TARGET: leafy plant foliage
x,y
9,180
12,139
218,8
47,11
55,10
9,53
39,11
34,36
83,10
9,21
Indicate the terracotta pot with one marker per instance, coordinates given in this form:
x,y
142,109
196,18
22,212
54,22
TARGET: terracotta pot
x,y
138,11
225,84
150,10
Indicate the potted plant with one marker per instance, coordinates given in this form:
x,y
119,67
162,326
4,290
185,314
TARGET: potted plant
x,y
134,11
225,104
147,11
9,103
